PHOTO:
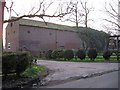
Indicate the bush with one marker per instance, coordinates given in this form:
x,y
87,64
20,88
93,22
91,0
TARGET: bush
x,y
49,54
68,54
92,53
107,54
23,61
57,54
15,62
54,54
81,54
60,53
8,63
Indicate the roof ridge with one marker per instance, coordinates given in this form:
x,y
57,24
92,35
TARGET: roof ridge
x,y
31,22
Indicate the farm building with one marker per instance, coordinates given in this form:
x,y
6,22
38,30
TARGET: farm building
x,y
37,36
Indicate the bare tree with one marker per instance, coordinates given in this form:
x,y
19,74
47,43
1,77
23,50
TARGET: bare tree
x,y
113,13
86,12
41,12
80,13
76,15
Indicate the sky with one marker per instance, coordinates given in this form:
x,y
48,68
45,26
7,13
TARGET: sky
x,y
24,6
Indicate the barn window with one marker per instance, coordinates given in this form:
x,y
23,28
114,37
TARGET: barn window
x,y
11,24
50,34
28,31
9,46
62,47
13,31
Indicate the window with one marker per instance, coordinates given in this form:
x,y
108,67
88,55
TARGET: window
x,y
11,24
50,34
62,47
13,31
9,46
28,31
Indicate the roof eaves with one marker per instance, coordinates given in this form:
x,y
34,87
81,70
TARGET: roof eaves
x,y
43,25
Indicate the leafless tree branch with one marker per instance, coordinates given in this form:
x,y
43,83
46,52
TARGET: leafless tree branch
x,y
41,12
80,10
112,12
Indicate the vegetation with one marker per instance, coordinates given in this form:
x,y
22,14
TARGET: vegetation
x,y
92,38
34,71
15,62
92,53
68,54
19,69
49,54
81,54
87,59
107,54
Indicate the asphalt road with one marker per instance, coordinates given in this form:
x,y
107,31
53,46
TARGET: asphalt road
x,y
109,80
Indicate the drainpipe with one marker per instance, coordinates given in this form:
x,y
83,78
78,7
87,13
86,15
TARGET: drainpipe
x,y
56,39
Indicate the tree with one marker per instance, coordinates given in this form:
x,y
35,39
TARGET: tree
x,y
112,10
76,15
80,13
86,13
40,12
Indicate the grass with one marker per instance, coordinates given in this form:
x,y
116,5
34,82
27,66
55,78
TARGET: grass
x,y
98,59
34,71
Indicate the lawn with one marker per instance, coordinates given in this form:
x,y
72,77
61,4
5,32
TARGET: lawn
x,y
98,59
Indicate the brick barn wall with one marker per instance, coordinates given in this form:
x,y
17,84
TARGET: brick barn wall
x,y
38,39
12,36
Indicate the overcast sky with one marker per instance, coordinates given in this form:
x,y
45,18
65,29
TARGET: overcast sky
x,y
24,6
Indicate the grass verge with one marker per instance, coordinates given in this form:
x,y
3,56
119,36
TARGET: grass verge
x,y
98,59
34,71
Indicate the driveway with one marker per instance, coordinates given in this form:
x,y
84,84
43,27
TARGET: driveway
x,y
62,71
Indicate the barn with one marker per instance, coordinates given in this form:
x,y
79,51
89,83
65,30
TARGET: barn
x,y
37,36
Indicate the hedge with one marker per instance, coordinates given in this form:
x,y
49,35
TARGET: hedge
x,y
92,53
107,54
15,62
68,54
81,54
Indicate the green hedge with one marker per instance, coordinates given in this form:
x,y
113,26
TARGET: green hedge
x,y
92,53
107,54
68,54
81,54
15,62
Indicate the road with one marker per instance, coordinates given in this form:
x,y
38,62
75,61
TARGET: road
x,y
109,80
65,70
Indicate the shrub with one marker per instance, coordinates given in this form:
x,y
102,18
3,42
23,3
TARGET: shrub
x,y
15,62
81,54
57,54
54,54
8,63
23,61
107,54
92,53
68,54
49,54
60,53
